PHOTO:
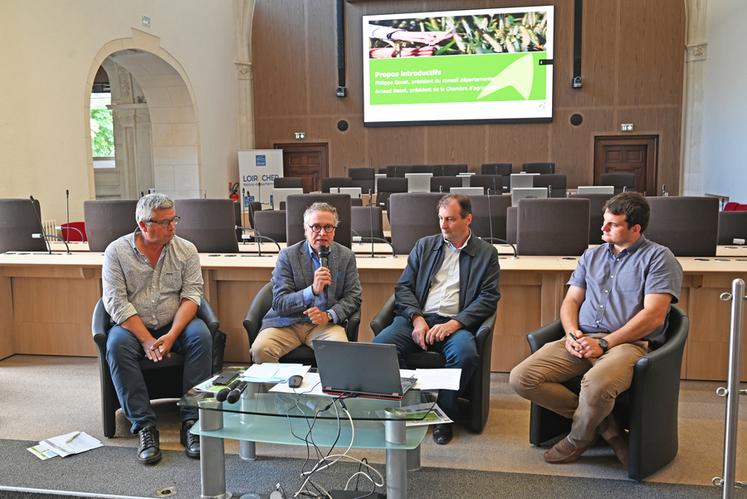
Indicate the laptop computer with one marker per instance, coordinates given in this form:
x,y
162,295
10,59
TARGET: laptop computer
x,y
362,369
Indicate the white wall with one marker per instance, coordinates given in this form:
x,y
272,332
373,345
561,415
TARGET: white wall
x,y
47,52
725,102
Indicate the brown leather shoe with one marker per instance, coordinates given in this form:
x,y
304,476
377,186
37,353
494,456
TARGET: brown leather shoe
x,y
564,452
615,437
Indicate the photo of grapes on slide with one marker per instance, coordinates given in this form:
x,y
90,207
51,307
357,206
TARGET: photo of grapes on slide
x,y
510,32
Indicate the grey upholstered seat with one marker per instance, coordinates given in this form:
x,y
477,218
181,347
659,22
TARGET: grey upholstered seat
x,y
619,180
210,224
444,183
541,167
106,220
366,222
502,169
388,186
287,183
271,224
555,183
453,170
686,225
596,214
363,178
552,227
297,204
19,220
731,225
413,215
487,210
492,184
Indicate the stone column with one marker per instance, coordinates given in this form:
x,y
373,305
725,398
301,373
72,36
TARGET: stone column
x,y
693,167
243,15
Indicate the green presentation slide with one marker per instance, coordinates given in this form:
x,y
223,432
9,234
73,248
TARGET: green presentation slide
x,y
458,78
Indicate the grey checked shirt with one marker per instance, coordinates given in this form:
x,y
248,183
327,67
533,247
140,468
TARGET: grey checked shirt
x,y
617,284
133,287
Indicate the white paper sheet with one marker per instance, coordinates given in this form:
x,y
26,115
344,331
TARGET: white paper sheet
x,y
273,372
311,385
74,442
437,379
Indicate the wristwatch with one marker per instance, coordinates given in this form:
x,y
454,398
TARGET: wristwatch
x,y
330,318
603,345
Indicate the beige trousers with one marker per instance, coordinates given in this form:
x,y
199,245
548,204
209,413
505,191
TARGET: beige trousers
x,y
274,342
539,378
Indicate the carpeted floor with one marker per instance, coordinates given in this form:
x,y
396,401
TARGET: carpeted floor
x,y
45,396
110,470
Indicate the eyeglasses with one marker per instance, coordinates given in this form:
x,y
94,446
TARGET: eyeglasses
x,y
316,228
166,222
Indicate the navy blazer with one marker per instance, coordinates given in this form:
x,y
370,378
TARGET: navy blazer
x,y
294,271
478,280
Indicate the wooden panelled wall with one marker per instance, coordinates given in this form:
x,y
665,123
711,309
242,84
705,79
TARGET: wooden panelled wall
x,y
633,59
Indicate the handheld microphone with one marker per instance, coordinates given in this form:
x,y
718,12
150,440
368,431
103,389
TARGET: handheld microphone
x,y
223,393
324,256
236,392
38,218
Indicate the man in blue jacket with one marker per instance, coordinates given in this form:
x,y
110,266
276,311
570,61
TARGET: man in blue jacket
x,y
447,290
312,293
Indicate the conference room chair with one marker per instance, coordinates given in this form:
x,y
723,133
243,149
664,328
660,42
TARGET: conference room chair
x,y
413,215
107,220
388,186
356,202
490,211
363,178
443,184
502,169
555,183
396,170
252,208
163,379
686,225
552,227
648,409
621,181
541,167
271,224
366,222
296,206
512,220
453,170
73,231
474,404
732,225
302,354
210,224
329,182
287,183
492,184
422,169
596,214
19,220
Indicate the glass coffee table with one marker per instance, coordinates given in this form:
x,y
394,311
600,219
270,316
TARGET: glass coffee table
x,y
274,417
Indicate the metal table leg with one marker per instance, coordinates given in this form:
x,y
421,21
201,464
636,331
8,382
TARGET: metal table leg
x,y
247,450
212,457
396,460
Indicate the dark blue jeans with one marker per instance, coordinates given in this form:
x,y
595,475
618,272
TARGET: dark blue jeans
x,y
124,353
459,350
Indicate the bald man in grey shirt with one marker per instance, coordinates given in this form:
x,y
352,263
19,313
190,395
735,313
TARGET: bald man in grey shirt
x,y
615,310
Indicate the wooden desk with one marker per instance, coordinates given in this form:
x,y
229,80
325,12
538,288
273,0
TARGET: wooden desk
x,y
46,302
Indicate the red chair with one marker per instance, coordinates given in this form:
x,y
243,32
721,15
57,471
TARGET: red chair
x,y
74,231
732,206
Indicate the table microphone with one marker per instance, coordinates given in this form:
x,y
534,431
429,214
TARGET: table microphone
x,y
221,395
324,256
234,394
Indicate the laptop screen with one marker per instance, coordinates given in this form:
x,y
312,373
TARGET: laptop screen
x,y
366,369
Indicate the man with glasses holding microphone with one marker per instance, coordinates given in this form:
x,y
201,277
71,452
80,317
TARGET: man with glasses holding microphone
x,y
315,288
152,287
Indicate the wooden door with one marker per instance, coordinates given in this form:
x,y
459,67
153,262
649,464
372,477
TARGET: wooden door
x,y
306,161
628,154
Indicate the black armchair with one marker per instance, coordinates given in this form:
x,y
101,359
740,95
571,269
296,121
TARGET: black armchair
x,y
648,409
303,354
474,405
164,379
